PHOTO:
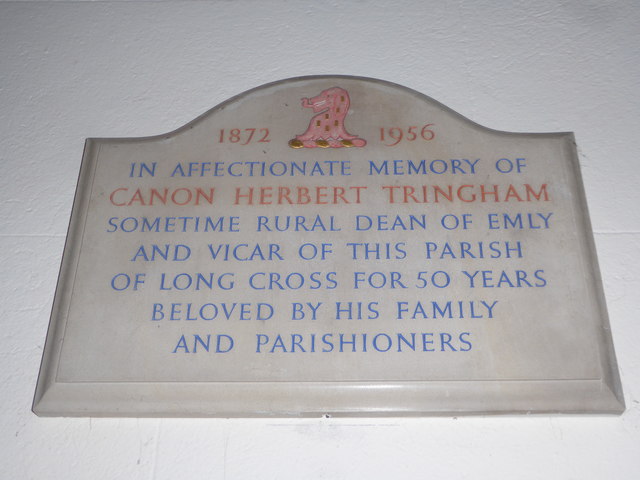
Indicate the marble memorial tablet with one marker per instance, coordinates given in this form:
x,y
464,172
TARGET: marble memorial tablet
x,y
329,245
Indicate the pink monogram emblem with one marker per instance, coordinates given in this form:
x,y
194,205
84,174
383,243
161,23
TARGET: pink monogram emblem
x,y
326,128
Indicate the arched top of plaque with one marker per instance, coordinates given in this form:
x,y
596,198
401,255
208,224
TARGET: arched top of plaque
x,y
331,111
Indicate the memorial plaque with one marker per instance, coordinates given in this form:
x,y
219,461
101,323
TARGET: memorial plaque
x,y
329,245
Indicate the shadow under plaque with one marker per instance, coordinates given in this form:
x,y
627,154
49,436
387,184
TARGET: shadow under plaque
x,y
329,245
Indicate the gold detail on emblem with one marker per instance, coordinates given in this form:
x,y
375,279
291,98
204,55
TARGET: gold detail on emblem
x,y
326,128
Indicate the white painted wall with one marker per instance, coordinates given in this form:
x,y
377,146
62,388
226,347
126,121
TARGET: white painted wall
x,y
84,69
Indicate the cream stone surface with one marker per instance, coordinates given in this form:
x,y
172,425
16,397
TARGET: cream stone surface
x,y
394,245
